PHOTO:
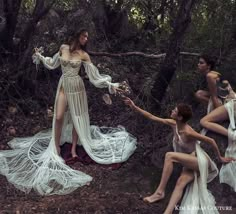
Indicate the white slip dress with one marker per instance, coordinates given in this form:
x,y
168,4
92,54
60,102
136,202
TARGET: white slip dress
x,y
197,198
228,171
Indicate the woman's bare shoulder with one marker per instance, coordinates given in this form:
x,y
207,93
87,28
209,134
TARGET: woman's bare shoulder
x,y
86,56
188,131
64,46
213,74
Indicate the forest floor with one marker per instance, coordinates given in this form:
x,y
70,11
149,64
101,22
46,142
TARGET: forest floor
x,y
111,191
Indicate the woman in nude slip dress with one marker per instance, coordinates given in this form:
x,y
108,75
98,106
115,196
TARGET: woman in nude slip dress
x,y
198,168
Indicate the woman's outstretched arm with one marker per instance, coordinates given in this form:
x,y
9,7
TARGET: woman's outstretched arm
x,y
148,115
97,79
193,134
49,62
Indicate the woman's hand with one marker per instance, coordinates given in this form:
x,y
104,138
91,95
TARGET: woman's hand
x,y
39,50
117,90
36,50
129,102
226,159
36,56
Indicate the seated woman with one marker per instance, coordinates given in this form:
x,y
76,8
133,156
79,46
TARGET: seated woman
x,y
197,165
210,122
206,66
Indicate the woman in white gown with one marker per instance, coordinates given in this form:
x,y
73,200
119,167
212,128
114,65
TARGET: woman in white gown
x,y
210,122
35,162
198,168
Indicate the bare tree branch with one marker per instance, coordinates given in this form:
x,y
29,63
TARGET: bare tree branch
x,y
40,10
137,53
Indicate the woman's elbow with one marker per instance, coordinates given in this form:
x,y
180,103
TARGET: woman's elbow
x,y
204,122
212,141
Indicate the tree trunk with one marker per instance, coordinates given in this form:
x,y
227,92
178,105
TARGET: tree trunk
x,y
169,65
39,12
10,9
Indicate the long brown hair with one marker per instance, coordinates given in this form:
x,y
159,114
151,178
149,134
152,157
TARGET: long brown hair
x,y
74,41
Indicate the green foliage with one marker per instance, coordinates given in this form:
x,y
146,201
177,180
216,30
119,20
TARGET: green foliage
x,y
66,5
28,6
212,27
137,16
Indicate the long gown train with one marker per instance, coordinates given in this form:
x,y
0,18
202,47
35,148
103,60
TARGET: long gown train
x,y
33,162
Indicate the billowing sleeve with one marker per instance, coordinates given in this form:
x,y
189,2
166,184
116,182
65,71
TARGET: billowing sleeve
x,y
50,62
99,80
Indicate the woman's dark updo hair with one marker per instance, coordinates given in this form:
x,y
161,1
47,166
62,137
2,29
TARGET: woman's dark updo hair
x,y
185,111
209,60
74,43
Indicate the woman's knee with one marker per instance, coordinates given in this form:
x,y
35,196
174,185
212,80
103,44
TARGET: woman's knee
x,y
169,156
59,117
204,121
199,94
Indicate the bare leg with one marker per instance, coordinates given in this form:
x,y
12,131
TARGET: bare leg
x,y
217,115
202,96
74,143
185,177
187,160
60,110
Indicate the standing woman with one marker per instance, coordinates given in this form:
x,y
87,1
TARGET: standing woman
x,y
35,162
205,67
198,168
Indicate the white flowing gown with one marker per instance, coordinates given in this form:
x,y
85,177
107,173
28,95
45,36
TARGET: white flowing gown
x,y
33,162
228,171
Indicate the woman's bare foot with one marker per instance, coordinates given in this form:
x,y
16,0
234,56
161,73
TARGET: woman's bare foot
x,y
154,197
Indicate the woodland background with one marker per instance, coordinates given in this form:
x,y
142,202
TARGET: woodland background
x,y
163,38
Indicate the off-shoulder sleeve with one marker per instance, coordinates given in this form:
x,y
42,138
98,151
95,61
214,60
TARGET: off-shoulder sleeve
x,y
50,62
99,80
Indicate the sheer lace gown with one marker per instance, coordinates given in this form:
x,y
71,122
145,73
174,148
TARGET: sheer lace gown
x,y
197,199
33,162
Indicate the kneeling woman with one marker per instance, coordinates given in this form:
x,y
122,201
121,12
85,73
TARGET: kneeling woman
x,y
197,165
